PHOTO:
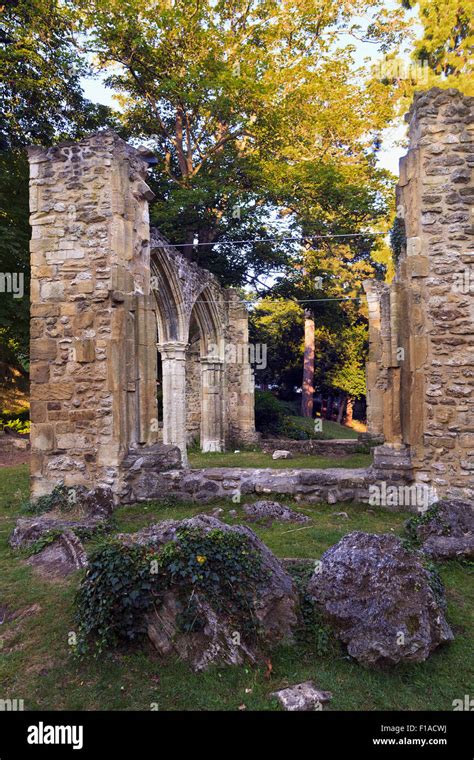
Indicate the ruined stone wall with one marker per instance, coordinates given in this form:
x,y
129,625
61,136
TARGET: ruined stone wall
x,y
193,392
421,364
93,356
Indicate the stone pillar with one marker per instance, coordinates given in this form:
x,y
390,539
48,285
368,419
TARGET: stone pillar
x,y
374,367
239,376
93,355
173,360
429,408
212,396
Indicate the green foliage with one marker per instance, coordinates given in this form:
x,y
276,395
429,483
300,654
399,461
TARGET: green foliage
x,y
436,583
397,237
114,596
122,583
19,426
313,631
61,499
249,110
45,540
414,522
270,414
220,565
349,373
446,43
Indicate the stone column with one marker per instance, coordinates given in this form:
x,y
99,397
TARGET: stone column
x,y
173,361
93,344
239,377
429,407
373,369
212,399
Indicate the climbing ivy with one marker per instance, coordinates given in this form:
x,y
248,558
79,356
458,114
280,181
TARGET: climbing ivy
x,y
123,582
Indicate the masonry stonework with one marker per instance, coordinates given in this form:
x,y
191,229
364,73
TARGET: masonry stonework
x,y
420,373
107,293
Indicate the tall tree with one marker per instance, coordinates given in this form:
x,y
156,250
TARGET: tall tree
x,y
229,91
447,41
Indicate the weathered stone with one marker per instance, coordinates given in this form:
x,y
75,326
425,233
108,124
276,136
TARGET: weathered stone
x,y
447,532
415,322
282,454
379,600
272,510
62,557
303,697
88,511
104,288
275,604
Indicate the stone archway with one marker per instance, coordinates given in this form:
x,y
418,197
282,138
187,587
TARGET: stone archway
x,y
105,290
191,323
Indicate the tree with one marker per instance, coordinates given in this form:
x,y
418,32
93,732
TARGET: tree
x,y
232,94
348,375
447,42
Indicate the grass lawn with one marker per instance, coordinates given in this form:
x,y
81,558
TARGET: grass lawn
x,y
330,430
259,459
35,664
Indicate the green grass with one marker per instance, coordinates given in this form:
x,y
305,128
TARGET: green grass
x,y
331,430
259,459
35,664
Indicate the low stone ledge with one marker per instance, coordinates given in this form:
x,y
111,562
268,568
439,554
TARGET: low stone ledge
x,y
330,485
333,447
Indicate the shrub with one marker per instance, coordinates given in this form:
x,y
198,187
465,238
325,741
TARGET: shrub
x,y
123,582
17,425
270,413
114,595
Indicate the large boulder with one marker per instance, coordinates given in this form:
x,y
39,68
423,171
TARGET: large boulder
x,y
78,509
380,600
219,638
61,557
446,531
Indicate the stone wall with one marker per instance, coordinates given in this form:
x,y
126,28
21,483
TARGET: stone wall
x,y
93,356
234,483
102,296
330,448
421,363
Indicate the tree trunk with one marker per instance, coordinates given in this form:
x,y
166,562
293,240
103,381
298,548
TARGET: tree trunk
x,y
308,366
349,411
329,408
341,410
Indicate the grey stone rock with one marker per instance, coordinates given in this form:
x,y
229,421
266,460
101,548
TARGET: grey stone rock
x,y
441,548
275,604
272,510
62,557
378,598
30,529
89,512
303,697
282,454
448,533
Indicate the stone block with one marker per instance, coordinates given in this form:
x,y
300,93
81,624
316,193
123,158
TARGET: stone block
x,y
84,350
43,349
42,437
